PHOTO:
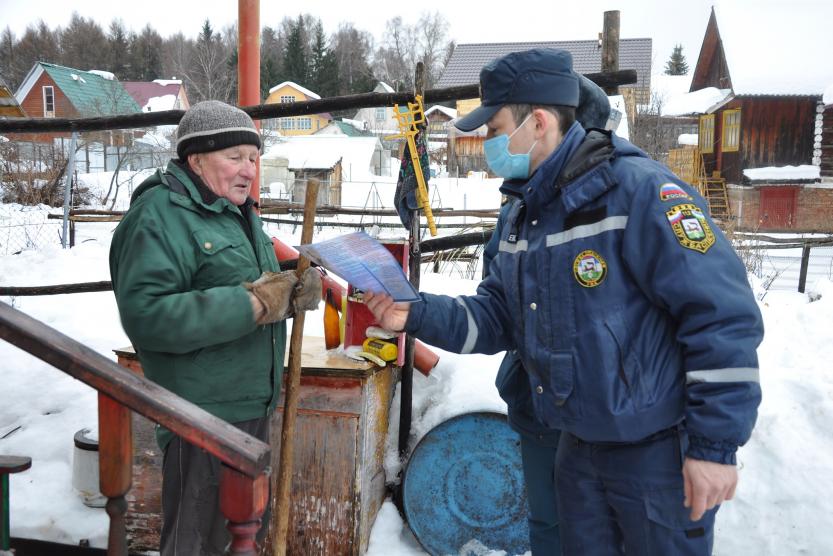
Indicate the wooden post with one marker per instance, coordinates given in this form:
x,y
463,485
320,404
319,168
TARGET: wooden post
x,y
610,47
243,501
293,385
805,262
115,464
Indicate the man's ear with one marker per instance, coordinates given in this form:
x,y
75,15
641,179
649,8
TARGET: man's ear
x,y
193,161
545,121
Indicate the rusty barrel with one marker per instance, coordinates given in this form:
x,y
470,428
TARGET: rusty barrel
x,y
463,487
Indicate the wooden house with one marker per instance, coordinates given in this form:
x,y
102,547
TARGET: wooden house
x,y
379,120
764,138
9,107
466,61
53,91
295,125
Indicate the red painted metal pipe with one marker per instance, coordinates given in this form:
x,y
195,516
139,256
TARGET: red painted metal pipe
x,y
248,65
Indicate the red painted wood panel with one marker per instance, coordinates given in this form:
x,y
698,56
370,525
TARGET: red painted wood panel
x,y
778,206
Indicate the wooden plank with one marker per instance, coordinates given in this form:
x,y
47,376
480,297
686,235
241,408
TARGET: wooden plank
x,y
323,505
183,418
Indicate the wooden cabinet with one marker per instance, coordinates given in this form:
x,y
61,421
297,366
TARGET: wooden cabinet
x,y
338,479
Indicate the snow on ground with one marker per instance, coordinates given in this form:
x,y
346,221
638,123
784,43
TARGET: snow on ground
x,y
783,502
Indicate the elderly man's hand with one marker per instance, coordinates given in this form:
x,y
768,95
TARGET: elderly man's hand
x,y
390,315
307,291
707,484
274,290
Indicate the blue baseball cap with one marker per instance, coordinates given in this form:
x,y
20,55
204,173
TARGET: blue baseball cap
x,y
539,76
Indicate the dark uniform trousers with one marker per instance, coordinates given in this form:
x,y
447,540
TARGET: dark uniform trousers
x,y
616,499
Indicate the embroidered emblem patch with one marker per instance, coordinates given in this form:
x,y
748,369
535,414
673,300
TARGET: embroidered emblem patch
x,y
671,191
589,268
690,226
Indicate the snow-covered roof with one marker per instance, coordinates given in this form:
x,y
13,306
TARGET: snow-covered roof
x,y
294,85
776,48
828,95
164,82
324,151
385,88
157,104
450,112
688,139
103,74
697,102
665,87
783,173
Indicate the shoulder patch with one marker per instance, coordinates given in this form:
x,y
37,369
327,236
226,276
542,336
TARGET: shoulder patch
x,y
589,268
691,227
671,191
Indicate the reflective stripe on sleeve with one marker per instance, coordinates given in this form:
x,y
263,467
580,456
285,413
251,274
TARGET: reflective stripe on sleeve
x,y
588,230
737,374
506,247
471,336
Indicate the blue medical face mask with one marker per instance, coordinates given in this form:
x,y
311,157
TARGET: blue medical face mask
x,y
504,163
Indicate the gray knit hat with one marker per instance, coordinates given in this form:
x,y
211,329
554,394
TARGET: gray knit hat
x,y
212,125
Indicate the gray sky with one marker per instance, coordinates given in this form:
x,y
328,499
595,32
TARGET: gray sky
x,y
665,21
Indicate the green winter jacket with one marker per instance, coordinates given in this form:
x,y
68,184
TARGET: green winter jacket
x,y
177,265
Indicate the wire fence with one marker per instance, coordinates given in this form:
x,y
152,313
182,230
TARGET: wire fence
x,y
27,228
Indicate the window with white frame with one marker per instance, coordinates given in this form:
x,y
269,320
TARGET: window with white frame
x,y
305,123
48,101
287,98
288,123
380,114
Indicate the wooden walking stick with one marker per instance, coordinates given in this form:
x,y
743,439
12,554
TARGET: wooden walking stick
x,y
293,386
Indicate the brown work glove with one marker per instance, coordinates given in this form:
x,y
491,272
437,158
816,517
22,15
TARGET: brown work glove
x,y
307,291
275,291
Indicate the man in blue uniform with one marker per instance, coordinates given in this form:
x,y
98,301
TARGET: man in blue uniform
x,y
539,442
629,311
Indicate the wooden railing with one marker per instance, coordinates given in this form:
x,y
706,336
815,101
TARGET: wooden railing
x,y
244,480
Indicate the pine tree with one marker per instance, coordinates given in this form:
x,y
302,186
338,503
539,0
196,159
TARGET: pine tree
x,y
270,61
117,50
676,65
295,67
323,65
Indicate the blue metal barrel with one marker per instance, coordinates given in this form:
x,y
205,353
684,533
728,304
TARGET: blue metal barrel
x,y
464,481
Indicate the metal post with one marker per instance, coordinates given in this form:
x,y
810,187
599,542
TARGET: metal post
x,y
68,187
5,535
414,262
248,66
805,262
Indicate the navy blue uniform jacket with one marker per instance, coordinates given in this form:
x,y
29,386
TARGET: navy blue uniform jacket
x,y
629,308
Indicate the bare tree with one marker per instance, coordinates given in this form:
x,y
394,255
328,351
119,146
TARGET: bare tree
x,y
83,44
432,32
395,59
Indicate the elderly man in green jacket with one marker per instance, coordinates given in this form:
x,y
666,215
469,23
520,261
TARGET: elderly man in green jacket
x,y
202,298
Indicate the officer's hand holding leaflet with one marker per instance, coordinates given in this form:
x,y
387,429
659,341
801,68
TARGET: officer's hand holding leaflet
x,y
390,314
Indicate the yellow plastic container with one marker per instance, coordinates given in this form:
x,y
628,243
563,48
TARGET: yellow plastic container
x,y
384,350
